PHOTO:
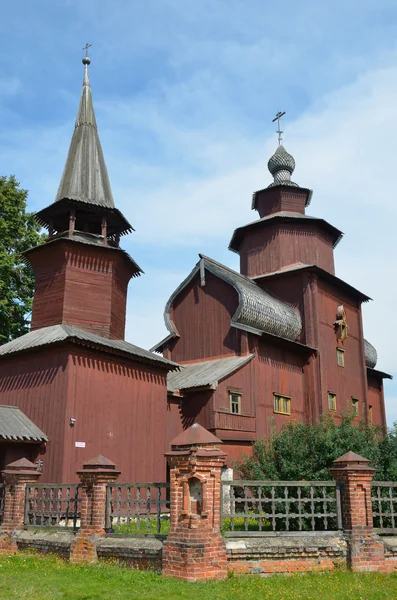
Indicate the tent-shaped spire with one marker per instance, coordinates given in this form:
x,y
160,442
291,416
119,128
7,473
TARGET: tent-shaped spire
x,y
85,177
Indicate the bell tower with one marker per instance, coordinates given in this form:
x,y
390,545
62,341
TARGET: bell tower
x,y
284,236
81,273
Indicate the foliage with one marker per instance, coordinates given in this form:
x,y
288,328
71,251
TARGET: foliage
x,y
142,527
18,231
239,524
37,578
305,452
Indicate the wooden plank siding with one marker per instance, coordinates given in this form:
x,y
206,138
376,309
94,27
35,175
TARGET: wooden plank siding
x,y
234,451
278,371
120,409
317,301
272,200
82,285
376,400
49,287
38,384
349,381
277,245
202,317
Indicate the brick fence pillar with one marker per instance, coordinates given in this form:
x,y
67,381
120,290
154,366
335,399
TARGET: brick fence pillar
x,y
94,476
17,475
354,475
194,549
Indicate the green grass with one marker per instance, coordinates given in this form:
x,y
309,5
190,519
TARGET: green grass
x,y
31,577
142,528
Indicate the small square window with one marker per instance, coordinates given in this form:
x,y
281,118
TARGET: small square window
x,y
370,417
235,403
341,357
282,404
331,401
354,407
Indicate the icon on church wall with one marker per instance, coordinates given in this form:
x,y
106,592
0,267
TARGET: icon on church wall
x,y
341,326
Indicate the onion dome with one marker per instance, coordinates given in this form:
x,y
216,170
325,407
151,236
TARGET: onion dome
x,y
281,165
371,356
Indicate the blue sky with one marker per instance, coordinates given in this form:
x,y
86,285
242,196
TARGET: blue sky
x,y
184,93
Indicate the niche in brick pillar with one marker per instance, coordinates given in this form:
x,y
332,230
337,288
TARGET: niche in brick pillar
x,y
194,549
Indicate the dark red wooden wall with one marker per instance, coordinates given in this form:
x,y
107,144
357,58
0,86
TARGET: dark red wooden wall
x,y
38,384
202,317
376,400
278,245
120,410
81,285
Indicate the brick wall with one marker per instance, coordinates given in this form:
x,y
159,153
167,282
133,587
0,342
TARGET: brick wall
x,y
195,549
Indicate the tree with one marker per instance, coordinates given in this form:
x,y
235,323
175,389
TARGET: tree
x,y
18,231
305,452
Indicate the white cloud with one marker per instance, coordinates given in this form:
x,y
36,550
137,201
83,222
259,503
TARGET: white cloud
x,y
391,410
185,151
344,149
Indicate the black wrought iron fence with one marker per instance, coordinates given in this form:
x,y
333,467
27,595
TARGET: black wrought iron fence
x,y
279,507
2,491
138,508
384,506
53,505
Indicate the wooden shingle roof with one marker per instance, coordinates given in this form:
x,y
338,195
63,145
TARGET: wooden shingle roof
x,y
16,426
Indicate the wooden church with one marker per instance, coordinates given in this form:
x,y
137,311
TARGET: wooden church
x,y
281,340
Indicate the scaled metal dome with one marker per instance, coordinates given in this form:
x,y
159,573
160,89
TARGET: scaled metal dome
x,y
371,356
281,165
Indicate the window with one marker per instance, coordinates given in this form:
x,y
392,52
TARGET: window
x,y
370,418
235,402
282,404
354,407
341,357
331,401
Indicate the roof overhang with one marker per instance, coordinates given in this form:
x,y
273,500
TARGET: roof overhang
x,y
205,375
88,239
15,426
321,272
379,374
115,219
277,339
295,218
59,335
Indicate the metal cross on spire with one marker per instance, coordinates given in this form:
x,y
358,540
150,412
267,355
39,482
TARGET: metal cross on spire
x,y
277,118
86,48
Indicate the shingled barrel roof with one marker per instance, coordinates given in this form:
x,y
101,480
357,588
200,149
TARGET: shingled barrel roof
x,y
16,426
66,333
257,311
205,373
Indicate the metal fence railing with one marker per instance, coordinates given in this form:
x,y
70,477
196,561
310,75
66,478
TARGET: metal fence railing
x,y
384,506
279,507
2,490
138,508
53,505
